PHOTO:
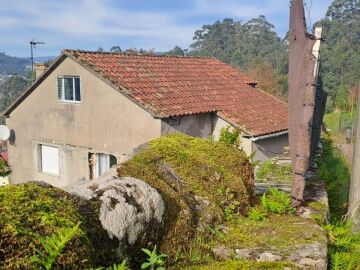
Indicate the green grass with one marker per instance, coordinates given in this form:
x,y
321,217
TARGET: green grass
x,y
334,170
332,121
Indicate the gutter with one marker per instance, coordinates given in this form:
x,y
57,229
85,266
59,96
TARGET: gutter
x,y
254,139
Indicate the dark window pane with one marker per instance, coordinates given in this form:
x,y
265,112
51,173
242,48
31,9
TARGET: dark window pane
x,y
68,89
77,89
59,85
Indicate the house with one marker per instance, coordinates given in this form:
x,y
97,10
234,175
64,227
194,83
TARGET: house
x,y
90,110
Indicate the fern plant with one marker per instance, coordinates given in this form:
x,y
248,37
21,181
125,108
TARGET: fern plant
x,y
257,214
154,261
277,202
53,246
344,246
121,266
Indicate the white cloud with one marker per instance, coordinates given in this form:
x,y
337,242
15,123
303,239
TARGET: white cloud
x,y
83,23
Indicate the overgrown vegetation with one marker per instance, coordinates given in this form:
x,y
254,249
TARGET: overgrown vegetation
x,y
344,248
202,182
334,171
154,260
229,136
270,170
54,246
29,212
5,169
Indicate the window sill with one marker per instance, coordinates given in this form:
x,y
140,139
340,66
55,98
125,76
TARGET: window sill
x,y
50,174
69,102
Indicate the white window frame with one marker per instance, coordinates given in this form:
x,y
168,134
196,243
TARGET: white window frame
x,y
55,172
62,77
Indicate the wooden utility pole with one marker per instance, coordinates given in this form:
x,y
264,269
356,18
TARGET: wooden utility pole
x,y
304,53
354,192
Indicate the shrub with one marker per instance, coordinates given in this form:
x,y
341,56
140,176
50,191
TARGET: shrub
x,y
30,212
230,137
277,202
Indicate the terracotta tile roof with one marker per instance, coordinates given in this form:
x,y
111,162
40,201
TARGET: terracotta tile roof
x,y
172,86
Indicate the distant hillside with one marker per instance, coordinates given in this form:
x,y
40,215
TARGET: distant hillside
x,y
11,65
11,89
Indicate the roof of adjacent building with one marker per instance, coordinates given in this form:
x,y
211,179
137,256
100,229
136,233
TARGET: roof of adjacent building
x,y
169,86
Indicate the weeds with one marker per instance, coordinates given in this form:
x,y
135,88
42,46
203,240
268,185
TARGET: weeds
x,y
53,246
154,261
230,137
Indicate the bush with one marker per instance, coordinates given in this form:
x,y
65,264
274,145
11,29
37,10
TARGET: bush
x,y
230,137
186,170
30,212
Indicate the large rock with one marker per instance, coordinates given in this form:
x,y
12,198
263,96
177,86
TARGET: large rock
x,y
130,210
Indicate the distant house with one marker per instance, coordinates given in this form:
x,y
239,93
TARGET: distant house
x,y
90,110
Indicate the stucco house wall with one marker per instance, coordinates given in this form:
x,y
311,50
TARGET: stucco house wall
x,y
271,147
197,125
105,122
264,149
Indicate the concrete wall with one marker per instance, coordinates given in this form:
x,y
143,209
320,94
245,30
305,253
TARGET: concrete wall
x,y
198,125
271,147
105,122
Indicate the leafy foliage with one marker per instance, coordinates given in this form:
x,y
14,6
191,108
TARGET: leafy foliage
x,y
230,137
277,202
5,169
253,46
54,245
154,261
257,214
29,211
334,171
121,266
11,89
340,53
269,169
344,246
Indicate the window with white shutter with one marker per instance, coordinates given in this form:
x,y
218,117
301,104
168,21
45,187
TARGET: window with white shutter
x,y
68,88
49,159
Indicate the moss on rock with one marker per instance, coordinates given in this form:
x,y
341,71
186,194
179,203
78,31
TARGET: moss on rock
x,y
242,265
198,179
29,212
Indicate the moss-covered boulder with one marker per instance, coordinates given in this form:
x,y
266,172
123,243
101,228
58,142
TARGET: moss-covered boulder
x,y
203,183
29,212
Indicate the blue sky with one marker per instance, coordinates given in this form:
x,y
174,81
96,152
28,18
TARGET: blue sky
x,y
158,24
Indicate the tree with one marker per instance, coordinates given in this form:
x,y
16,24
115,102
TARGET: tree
x,y
177,51
11,89
100,49
115,49
340,54
217,40
254,47
261,70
